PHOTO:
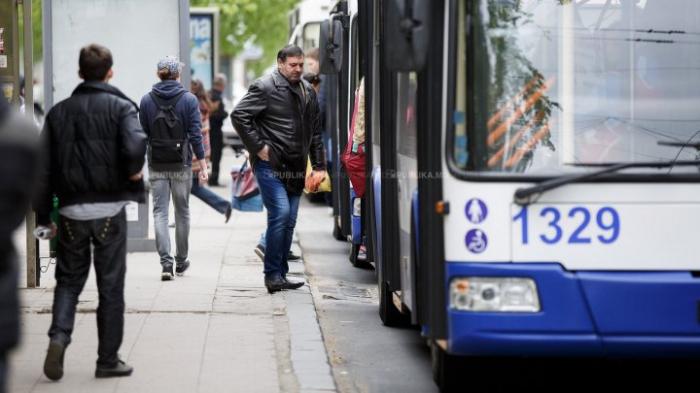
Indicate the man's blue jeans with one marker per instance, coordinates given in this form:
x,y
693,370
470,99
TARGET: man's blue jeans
x,y
282,209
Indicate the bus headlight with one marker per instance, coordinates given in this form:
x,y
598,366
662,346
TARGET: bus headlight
x,y
494,294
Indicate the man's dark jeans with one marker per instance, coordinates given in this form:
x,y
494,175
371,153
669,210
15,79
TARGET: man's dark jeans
x,y
282,209
108,238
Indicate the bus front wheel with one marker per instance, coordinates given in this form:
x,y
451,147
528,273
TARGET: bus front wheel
x,y
446,369
391,316
337,232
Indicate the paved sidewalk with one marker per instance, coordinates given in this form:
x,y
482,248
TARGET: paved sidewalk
x,y
214,330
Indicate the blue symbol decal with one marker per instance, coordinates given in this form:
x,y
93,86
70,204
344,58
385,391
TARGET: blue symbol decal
x,y
476,241
476,211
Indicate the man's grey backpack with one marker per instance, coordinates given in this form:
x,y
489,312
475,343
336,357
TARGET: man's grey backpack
x,y
168,137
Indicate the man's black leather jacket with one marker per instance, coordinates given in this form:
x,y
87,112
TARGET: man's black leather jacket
x,y
275,113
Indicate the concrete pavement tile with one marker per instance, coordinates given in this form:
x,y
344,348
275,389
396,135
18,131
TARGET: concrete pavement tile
x,y
240,360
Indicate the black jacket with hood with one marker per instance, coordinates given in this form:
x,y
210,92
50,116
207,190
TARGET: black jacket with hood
x,y
276,114
91,144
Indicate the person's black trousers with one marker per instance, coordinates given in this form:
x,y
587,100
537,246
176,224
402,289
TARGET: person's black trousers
x,y
108,240
216,138
3,372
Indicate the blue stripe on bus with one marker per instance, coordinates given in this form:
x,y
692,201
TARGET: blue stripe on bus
x,y
583,314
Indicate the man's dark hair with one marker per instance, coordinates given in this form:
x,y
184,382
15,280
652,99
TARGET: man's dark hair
x,y
289,51
95,61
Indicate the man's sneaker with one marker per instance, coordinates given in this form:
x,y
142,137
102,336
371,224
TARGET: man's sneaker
x,y
362,254
121,369
181,267
53,365
260,252
293,257
167,274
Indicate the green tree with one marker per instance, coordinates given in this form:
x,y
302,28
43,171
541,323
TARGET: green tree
x,y
262,22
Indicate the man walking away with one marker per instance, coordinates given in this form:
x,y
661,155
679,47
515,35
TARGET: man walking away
x,y
18,168
278,121
93,152
170,116
218,115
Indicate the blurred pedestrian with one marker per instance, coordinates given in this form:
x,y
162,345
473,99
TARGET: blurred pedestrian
x,y
93,152
199,190
278,122
170,116
218,115
18,169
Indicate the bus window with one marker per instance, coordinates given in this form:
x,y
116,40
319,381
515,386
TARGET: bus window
x,y
459,117
582,81
312,32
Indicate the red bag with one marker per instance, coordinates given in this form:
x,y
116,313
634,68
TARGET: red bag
x,y
354,161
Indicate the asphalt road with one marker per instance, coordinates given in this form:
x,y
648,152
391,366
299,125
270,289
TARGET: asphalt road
x,y
365,355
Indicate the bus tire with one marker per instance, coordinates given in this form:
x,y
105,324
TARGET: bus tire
x,y
446,369
337,233
389,314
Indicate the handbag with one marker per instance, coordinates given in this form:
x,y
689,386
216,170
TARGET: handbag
x,y
325,185
245,192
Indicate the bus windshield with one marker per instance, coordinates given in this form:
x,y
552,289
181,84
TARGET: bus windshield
x,y
544,86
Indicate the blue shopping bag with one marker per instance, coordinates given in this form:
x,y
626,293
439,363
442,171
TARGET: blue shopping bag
x,y
245,192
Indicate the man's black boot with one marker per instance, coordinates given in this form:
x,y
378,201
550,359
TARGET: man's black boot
x,y
121,369
291,284
53,365
275,284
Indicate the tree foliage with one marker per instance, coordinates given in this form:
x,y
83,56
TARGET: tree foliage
x,y
262,22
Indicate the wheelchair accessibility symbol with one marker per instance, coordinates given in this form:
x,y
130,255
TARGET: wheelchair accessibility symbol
x,y
476,241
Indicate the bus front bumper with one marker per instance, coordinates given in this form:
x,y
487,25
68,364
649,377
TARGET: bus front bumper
x,y
582,314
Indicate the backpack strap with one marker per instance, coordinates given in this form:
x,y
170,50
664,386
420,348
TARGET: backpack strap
x,y
171,102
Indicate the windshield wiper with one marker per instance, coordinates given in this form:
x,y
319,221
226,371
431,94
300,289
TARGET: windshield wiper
x,y
528,195
694,145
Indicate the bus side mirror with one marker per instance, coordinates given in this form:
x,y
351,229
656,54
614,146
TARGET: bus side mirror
x,y
331,47
406,33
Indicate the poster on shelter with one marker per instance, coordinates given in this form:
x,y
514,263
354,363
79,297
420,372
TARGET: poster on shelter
x,y
202,47
6,38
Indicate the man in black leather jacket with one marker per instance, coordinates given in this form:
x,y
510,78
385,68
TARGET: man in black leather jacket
x,y
278,121
93,150
18,149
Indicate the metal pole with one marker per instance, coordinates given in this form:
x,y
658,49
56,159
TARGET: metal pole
x,y
185,42
33,264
